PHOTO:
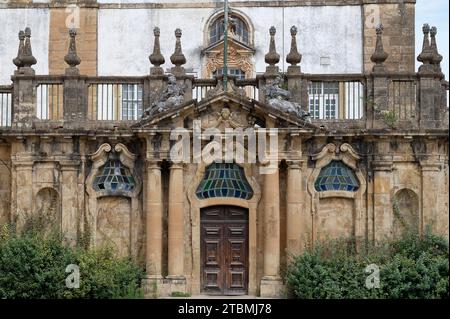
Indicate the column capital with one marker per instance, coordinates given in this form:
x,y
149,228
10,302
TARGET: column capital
x,y
174,166
69,165
430,167
153,163
294,164
382,165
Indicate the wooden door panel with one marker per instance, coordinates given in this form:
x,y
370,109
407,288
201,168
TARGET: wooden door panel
x,y
224,250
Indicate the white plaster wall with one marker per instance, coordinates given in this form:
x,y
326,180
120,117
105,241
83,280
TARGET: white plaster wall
x,y
335,32
14,20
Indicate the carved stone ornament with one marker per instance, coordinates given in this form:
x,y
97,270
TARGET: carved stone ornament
x,y
236,58
278,98
171,97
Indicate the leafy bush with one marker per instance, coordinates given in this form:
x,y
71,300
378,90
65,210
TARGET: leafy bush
x,y
410,267
34,266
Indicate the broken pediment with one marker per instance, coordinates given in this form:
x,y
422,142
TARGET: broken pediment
x,y
222,110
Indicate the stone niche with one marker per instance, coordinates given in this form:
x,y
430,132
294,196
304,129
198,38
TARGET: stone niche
x,y
114,213
406,212
48,207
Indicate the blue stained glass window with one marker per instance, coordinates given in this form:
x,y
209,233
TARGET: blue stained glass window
x,y
336,176
224,180
114,177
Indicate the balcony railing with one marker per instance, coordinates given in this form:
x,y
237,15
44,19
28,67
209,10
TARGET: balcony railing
x,y
336,98
402,97
5,105
334,101
110,100
49,101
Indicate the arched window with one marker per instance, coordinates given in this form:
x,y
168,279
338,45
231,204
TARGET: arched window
x,y
114,177
336,176
237,25
224,180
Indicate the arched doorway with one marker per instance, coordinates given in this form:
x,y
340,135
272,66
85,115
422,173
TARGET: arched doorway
x,y
224,250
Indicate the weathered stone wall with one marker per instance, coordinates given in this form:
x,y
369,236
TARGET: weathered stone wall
x,y
60,21
398,37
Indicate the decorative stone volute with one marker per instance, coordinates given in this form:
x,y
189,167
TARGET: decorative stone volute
x,y
436,58
178,58
27,57
272,58
294,57
379,56
426,55
18,60
71,58
156,58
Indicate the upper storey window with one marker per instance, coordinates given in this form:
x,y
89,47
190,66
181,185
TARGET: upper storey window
x,y
238,28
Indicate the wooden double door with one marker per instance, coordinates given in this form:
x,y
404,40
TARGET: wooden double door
x,y
224,250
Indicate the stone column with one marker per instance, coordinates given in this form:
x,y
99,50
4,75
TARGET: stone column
x,y
294,210
154,220
69,200
176,224
271,284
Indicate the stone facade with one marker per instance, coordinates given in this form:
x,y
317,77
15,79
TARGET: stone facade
x,y
105,174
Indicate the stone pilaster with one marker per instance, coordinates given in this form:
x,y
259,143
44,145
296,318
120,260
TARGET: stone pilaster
x,y
271,284
430,190
154,219
154,228
382,171
69,200
294,215
176,273
23,198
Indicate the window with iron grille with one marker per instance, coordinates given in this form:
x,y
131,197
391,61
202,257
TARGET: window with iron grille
x,y
131,101
324,100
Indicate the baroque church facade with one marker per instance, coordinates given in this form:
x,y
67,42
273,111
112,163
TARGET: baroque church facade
x,y
103,103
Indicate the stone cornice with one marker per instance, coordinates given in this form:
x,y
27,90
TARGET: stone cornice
x,y
203,4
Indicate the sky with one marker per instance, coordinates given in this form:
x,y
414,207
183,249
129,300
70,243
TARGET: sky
x,y
436,13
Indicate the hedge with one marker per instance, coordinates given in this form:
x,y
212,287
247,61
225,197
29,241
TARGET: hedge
x,y
409,268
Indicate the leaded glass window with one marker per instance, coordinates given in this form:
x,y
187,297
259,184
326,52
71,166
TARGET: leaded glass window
x,y
224,180
336,176
114,177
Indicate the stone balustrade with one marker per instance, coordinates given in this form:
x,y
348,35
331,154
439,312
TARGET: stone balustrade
x,y
335,102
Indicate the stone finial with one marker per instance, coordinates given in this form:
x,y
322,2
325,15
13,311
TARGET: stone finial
x,y
294,57
178,58
27,57
71,58
436,58
156,58
18,60
272,58
426,55
379,56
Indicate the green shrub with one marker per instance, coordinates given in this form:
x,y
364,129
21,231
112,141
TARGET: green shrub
x,y
34,266
410,267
